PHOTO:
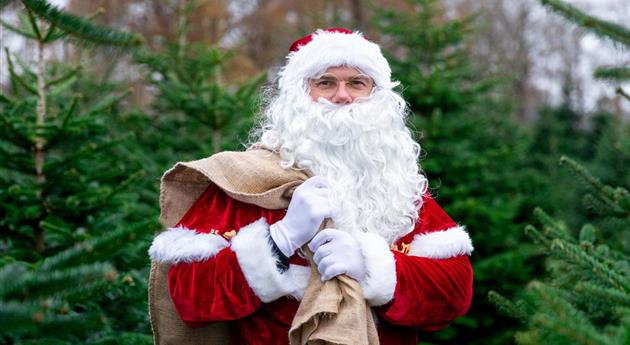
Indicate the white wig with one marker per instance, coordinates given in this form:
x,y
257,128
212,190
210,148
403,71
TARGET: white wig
x,y
363,148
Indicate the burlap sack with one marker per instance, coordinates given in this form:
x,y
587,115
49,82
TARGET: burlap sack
x,y
330,313
168,328
252,176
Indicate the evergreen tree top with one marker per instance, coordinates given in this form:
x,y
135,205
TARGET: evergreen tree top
x,y
616,33
64,24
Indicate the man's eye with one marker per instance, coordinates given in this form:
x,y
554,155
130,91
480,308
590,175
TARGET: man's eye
x,y
324,83
360,83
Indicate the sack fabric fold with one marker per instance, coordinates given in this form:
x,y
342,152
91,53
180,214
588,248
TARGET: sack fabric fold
x,y
333,312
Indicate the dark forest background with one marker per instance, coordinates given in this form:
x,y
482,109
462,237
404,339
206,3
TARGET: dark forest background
x,y
101,97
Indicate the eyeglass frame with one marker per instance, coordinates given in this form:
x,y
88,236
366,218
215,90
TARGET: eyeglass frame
x,y
311,83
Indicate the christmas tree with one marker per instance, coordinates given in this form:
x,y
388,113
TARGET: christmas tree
x,y
586,297
195,111
75,230
476,159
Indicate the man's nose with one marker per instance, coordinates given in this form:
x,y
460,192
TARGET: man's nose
x,y
342,96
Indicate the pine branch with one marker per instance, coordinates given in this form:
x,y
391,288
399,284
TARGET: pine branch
x,y
107,102
16,76
553,228
605,253
605,193
612,296
79,28
17,136
54,33
122,186
507,307
91,148
580,330
624,202
596,206
17,30
61,129
80,294
588,233
623,337
124,338
11,270
87,249
616,74
40,282
568,331
26,68
537,236
19,318
590,179
622,93
575,254
64,77
22,318
6,100
33,24
12,164
615,32
99,198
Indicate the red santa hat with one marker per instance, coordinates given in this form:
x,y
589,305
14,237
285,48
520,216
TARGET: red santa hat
x,y
314,53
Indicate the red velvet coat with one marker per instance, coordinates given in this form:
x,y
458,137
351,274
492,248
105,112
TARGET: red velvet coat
x,y
223,269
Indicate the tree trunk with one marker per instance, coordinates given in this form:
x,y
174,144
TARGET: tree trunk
x,y
39,140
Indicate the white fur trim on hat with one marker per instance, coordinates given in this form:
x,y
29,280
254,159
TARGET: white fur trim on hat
x,y
331,49
444,244
258,263
380,281
181,244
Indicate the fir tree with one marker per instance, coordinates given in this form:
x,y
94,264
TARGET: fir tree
x,y
195,112
586,298
557,132
73,252
617,34
476,154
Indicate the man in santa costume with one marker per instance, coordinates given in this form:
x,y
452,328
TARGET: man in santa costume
x,y
334,117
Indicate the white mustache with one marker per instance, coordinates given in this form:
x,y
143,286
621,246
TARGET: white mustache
x,y
364,147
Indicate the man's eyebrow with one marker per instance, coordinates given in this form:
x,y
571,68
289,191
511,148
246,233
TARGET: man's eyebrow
x,y
332,76
326,76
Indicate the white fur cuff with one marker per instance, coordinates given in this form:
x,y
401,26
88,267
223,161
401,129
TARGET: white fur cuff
x,y
442,244
185,245
380,282
255,257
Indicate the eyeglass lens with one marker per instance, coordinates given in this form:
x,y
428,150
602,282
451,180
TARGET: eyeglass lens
x,y
359,84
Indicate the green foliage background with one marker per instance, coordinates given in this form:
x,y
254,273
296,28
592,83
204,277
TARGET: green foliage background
x,y
75,230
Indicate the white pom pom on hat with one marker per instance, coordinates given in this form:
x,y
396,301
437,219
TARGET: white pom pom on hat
x,y
332,47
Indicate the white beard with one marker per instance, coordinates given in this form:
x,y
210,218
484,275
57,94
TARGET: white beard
x,y
364,149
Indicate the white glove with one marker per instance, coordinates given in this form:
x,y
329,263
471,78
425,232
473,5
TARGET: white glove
x,y
307,209
337,252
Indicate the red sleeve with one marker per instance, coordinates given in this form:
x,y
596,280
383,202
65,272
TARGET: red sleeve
x,y
215,289
433,277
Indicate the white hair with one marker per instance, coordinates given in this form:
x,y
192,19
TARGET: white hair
x,y
364,149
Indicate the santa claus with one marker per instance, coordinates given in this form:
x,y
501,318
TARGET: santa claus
x,y
334,118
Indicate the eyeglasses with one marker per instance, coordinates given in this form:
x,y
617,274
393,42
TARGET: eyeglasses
x,y
357,86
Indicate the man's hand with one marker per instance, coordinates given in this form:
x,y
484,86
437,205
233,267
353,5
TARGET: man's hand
x,y
307,209
337,252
